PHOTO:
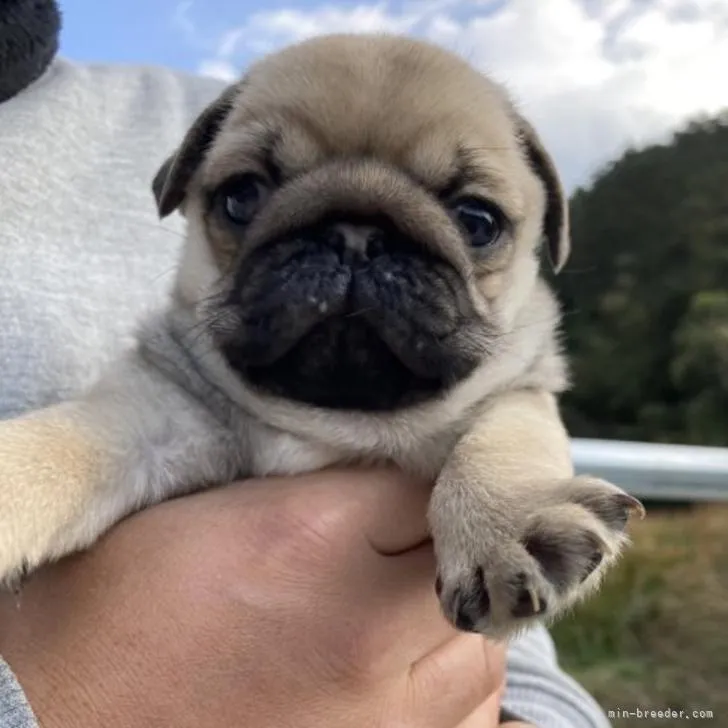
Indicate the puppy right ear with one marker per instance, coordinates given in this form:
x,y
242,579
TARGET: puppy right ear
x,y
170,183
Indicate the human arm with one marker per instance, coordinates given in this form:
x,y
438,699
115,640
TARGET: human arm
x,y
301,601
537,689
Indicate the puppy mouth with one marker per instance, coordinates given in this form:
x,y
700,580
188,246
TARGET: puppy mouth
x,y
341,328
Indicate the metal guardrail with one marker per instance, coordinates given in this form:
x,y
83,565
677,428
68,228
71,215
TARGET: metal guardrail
x,y
659,472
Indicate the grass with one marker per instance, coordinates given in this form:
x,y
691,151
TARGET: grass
x,y
656,636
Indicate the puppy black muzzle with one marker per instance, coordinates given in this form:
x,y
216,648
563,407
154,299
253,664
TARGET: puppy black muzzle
x,y
352,315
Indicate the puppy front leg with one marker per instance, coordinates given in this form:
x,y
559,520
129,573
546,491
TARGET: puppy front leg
x,y
52,464
516,535
69,472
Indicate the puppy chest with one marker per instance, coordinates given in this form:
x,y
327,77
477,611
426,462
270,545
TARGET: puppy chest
x,y
279,453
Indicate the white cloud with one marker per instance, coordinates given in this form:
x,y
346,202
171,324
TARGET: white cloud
x,y
223,70
594,75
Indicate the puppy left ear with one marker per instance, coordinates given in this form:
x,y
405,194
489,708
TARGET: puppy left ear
x,y
170,183
556,217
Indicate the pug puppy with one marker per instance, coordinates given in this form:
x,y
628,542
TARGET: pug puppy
x,y
359,284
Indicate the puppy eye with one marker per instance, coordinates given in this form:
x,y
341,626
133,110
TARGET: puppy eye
x,y
241,198
482,221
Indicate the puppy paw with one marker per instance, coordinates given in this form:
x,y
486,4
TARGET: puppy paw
x,y
47,480
31,536
504,563
24,544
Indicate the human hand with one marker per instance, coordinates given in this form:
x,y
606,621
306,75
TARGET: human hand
x,y
488,714
291,602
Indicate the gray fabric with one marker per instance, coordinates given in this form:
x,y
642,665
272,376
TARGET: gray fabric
x,y
82,256
538,690
82,252
14,709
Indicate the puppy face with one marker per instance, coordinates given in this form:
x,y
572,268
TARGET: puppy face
x,y
364,219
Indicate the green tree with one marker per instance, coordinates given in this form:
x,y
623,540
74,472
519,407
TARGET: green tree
x,y
646,293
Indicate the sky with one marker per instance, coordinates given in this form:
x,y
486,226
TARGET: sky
x,y
594,76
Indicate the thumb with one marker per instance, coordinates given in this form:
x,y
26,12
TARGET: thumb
x,y
393,509
383,505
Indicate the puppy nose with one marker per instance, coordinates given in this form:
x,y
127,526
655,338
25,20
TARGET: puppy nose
x,y
356,242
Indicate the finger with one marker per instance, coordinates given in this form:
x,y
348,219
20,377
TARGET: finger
x,y
383,506
449,684
401,601
394,510
487,714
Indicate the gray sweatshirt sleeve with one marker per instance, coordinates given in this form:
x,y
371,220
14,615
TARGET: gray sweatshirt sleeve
x,y
14,709
79,149
539,691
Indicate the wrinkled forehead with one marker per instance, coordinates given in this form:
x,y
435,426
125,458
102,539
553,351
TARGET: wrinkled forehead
x,y
418,109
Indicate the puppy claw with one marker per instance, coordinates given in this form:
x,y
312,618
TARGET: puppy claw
x,y
633,505
528,604
536,603
609,503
